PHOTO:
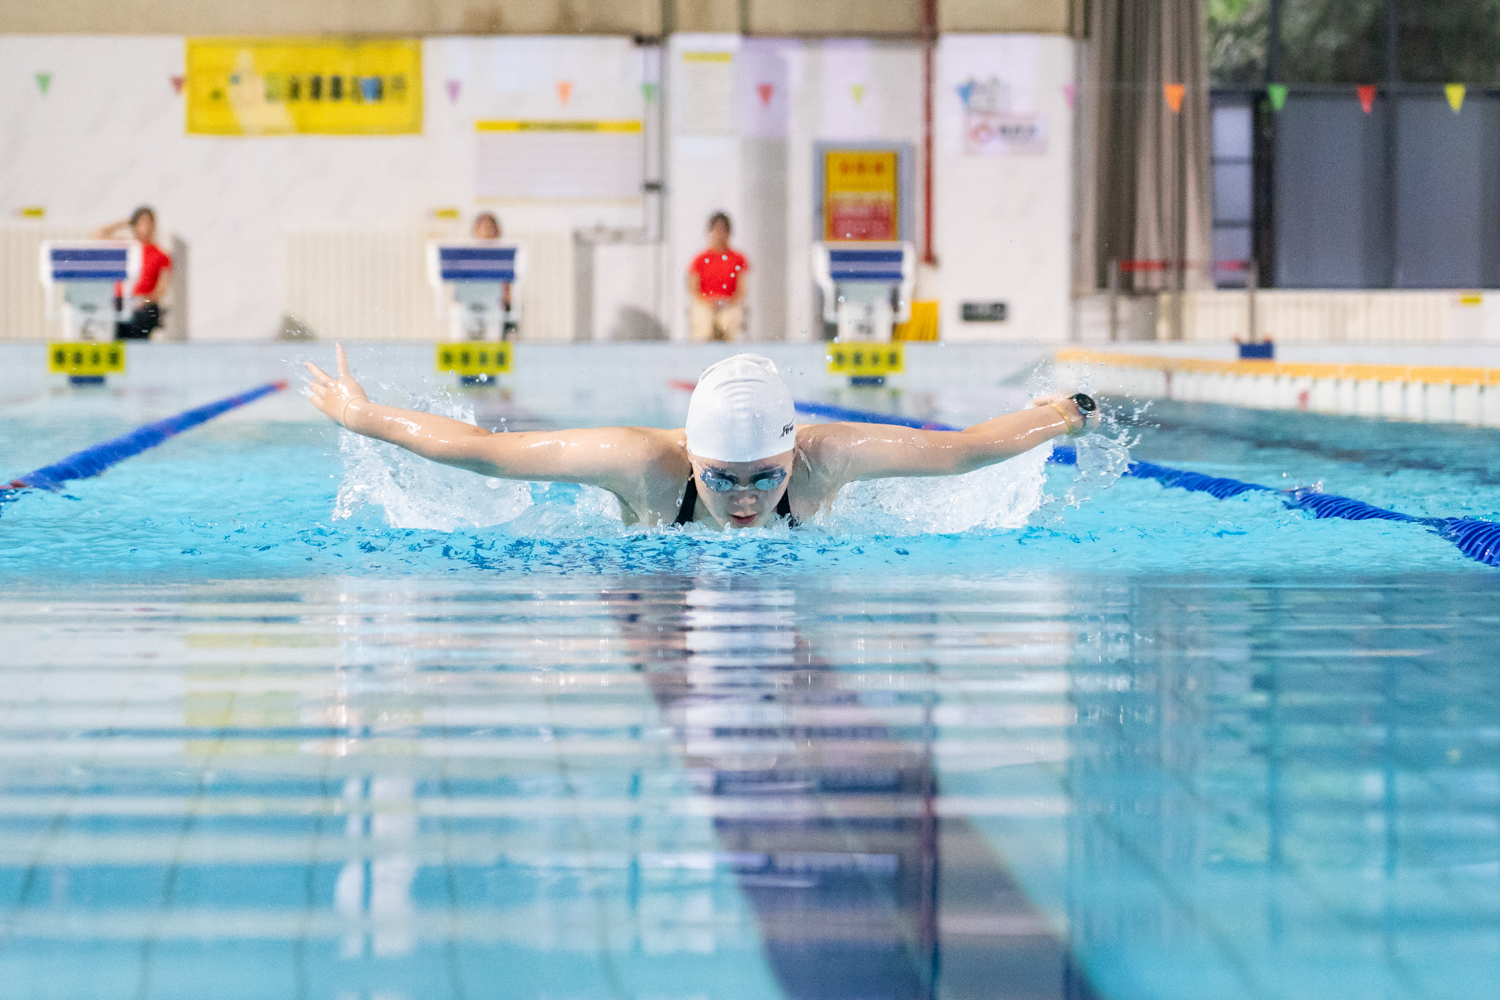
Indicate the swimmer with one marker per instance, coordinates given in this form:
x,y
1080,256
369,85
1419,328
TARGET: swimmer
x,y
741,462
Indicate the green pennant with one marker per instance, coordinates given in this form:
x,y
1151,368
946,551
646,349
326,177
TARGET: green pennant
x,y
1277,93
43,81
648,91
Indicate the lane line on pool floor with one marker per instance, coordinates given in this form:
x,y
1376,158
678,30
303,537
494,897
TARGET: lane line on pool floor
x,y
1475,538
95,459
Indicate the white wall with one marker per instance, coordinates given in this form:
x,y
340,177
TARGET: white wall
x,y
108,135
1003,222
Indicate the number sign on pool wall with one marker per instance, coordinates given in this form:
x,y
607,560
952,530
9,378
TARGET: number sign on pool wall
x,y
295,86
866,359
83,358
861,199
473,358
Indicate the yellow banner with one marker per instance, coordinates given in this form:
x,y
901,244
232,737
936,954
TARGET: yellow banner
x,y
866,359
84,358
473,358
312,86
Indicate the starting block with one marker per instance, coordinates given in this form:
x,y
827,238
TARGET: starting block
x,y
478,271
88,271
867,287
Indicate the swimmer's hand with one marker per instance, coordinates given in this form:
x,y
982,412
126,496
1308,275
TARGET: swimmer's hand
x,y
333,396
1076,420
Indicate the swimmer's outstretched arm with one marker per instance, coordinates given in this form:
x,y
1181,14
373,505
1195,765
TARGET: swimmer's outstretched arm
x,y
878,451
613,458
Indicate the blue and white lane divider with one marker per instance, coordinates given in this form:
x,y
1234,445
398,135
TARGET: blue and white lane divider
x,y
94,460
1479,540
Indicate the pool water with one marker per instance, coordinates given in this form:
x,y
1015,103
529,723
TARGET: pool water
x,y
288,714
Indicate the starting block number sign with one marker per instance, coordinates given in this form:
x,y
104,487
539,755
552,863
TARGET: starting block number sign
x,y
474,358
83,358
866,359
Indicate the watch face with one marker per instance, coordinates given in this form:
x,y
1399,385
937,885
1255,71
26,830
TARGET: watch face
x,y
1085,403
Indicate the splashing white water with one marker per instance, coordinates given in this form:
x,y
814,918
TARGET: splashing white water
x,y
998,497
417,493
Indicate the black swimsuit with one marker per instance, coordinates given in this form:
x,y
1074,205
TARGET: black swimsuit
x,y
690,504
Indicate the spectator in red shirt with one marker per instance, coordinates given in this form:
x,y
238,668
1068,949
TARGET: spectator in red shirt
x,y
155,276
716,282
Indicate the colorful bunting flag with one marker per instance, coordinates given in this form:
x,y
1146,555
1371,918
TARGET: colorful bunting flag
x,y
765,90
1455,93
1277,93
1069,92
454,86
564,90
648,91
1366,92
858,90
1173,93
43,81
177,85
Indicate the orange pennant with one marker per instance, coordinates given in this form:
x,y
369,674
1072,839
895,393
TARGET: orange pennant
x,y
1173,93
564,90
1366,92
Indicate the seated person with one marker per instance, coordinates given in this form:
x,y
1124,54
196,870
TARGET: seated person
x,y
716,283
155,276
487,227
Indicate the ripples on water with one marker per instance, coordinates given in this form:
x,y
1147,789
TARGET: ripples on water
x,y
464,741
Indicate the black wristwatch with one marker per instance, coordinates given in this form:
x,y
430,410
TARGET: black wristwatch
x,y
1086,408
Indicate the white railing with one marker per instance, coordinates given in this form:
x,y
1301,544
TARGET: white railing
x,y
1292,316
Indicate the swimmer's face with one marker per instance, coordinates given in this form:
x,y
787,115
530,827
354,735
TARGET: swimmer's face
x,y
486,228
744,506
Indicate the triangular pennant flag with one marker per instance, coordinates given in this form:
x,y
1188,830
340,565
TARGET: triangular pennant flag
x,y
454,86
765,90
648,91
43,81
858,90
1069,91
1277,93
1366,92
965,89
564,90
177,85
1455,92
1173,93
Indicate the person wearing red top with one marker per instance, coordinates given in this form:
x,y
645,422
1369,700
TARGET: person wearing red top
x,y
155,276
716,284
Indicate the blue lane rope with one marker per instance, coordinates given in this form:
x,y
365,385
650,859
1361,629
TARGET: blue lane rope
x,y
94,460
1479,540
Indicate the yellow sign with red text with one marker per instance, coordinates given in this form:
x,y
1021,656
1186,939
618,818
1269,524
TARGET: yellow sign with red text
x,y
311,86
860,195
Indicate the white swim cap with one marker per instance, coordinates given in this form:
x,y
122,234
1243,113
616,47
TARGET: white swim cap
x,y
741,411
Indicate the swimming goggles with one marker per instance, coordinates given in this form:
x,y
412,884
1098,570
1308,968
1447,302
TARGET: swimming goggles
x,y
720,483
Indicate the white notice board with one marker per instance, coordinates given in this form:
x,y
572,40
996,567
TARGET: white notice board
x,y
567,160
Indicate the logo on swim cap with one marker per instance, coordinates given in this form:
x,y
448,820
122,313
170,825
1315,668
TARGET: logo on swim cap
x,y
741,411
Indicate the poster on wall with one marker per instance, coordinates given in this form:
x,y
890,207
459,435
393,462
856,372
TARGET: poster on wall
x,y
290,86
860,195
568,160
991,128
706,97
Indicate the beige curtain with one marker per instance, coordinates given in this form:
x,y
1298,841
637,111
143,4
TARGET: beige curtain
x,y
1143,185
